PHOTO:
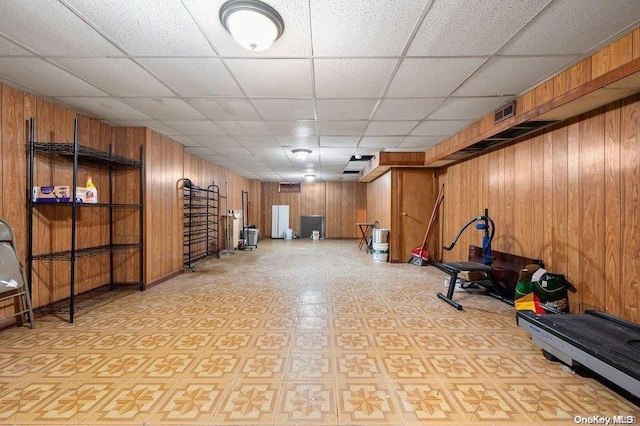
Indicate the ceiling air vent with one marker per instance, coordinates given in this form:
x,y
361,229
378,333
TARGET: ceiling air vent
x,y
505,112
499,139
361,157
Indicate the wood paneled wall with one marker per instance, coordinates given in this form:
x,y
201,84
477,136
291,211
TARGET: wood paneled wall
x,y
569,196
402,200
413,197
204,173
51,224
343,204
379,201
163,207
165,163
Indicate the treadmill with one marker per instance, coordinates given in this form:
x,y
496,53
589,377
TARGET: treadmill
x,y
606,345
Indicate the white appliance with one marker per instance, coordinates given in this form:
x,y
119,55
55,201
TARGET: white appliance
x,y
279,220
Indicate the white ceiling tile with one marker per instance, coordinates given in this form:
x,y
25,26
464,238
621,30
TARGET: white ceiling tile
x,y
366,151
575,26
337,164
244,128
389,128
245,160
195,127
341,128
104,108
259,169
186,141
431,77
44,78
50,28
232,150
333,177
298,141
512,75
147,27
379,141
339,141
285,109
336,154
406,109
352,78
345,109
198,151
215,141
281,78
165,108
295,41
299,128
276,160
355,165
420,141
362,28
257,141
221,161
117,76
466,108
225,109
289,176
270,177
265,150
311,162
458,20
9,48
440,127
193,76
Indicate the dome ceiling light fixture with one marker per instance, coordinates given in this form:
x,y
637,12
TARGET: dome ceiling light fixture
x,y
310,178
301,154
253,24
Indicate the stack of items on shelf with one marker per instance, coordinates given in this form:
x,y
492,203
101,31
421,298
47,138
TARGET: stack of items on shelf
x,y
62,193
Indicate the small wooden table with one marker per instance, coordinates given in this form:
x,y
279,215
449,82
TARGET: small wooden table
x,y
365,230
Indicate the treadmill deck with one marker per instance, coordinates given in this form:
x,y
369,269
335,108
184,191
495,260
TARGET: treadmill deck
x,y
605,344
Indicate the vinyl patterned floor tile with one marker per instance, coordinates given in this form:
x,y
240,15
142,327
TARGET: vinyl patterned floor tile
x,y
295,333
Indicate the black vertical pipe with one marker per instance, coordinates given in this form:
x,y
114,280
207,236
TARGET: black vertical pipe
x,y
143,286
112,285
74,217
32,135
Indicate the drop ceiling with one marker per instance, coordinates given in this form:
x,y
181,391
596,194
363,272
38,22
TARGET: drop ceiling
x,y
347,78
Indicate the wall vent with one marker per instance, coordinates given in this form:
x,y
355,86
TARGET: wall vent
x,y
505,112
288,186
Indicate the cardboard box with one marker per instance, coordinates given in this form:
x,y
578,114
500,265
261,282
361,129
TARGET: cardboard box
x,y
472,276
51,194
81,194
463,285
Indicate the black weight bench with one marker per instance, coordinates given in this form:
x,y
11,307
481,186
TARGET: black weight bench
x,y
502,275
491,284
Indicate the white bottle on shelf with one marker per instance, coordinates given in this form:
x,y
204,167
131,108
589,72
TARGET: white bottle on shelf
x,y
92,192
